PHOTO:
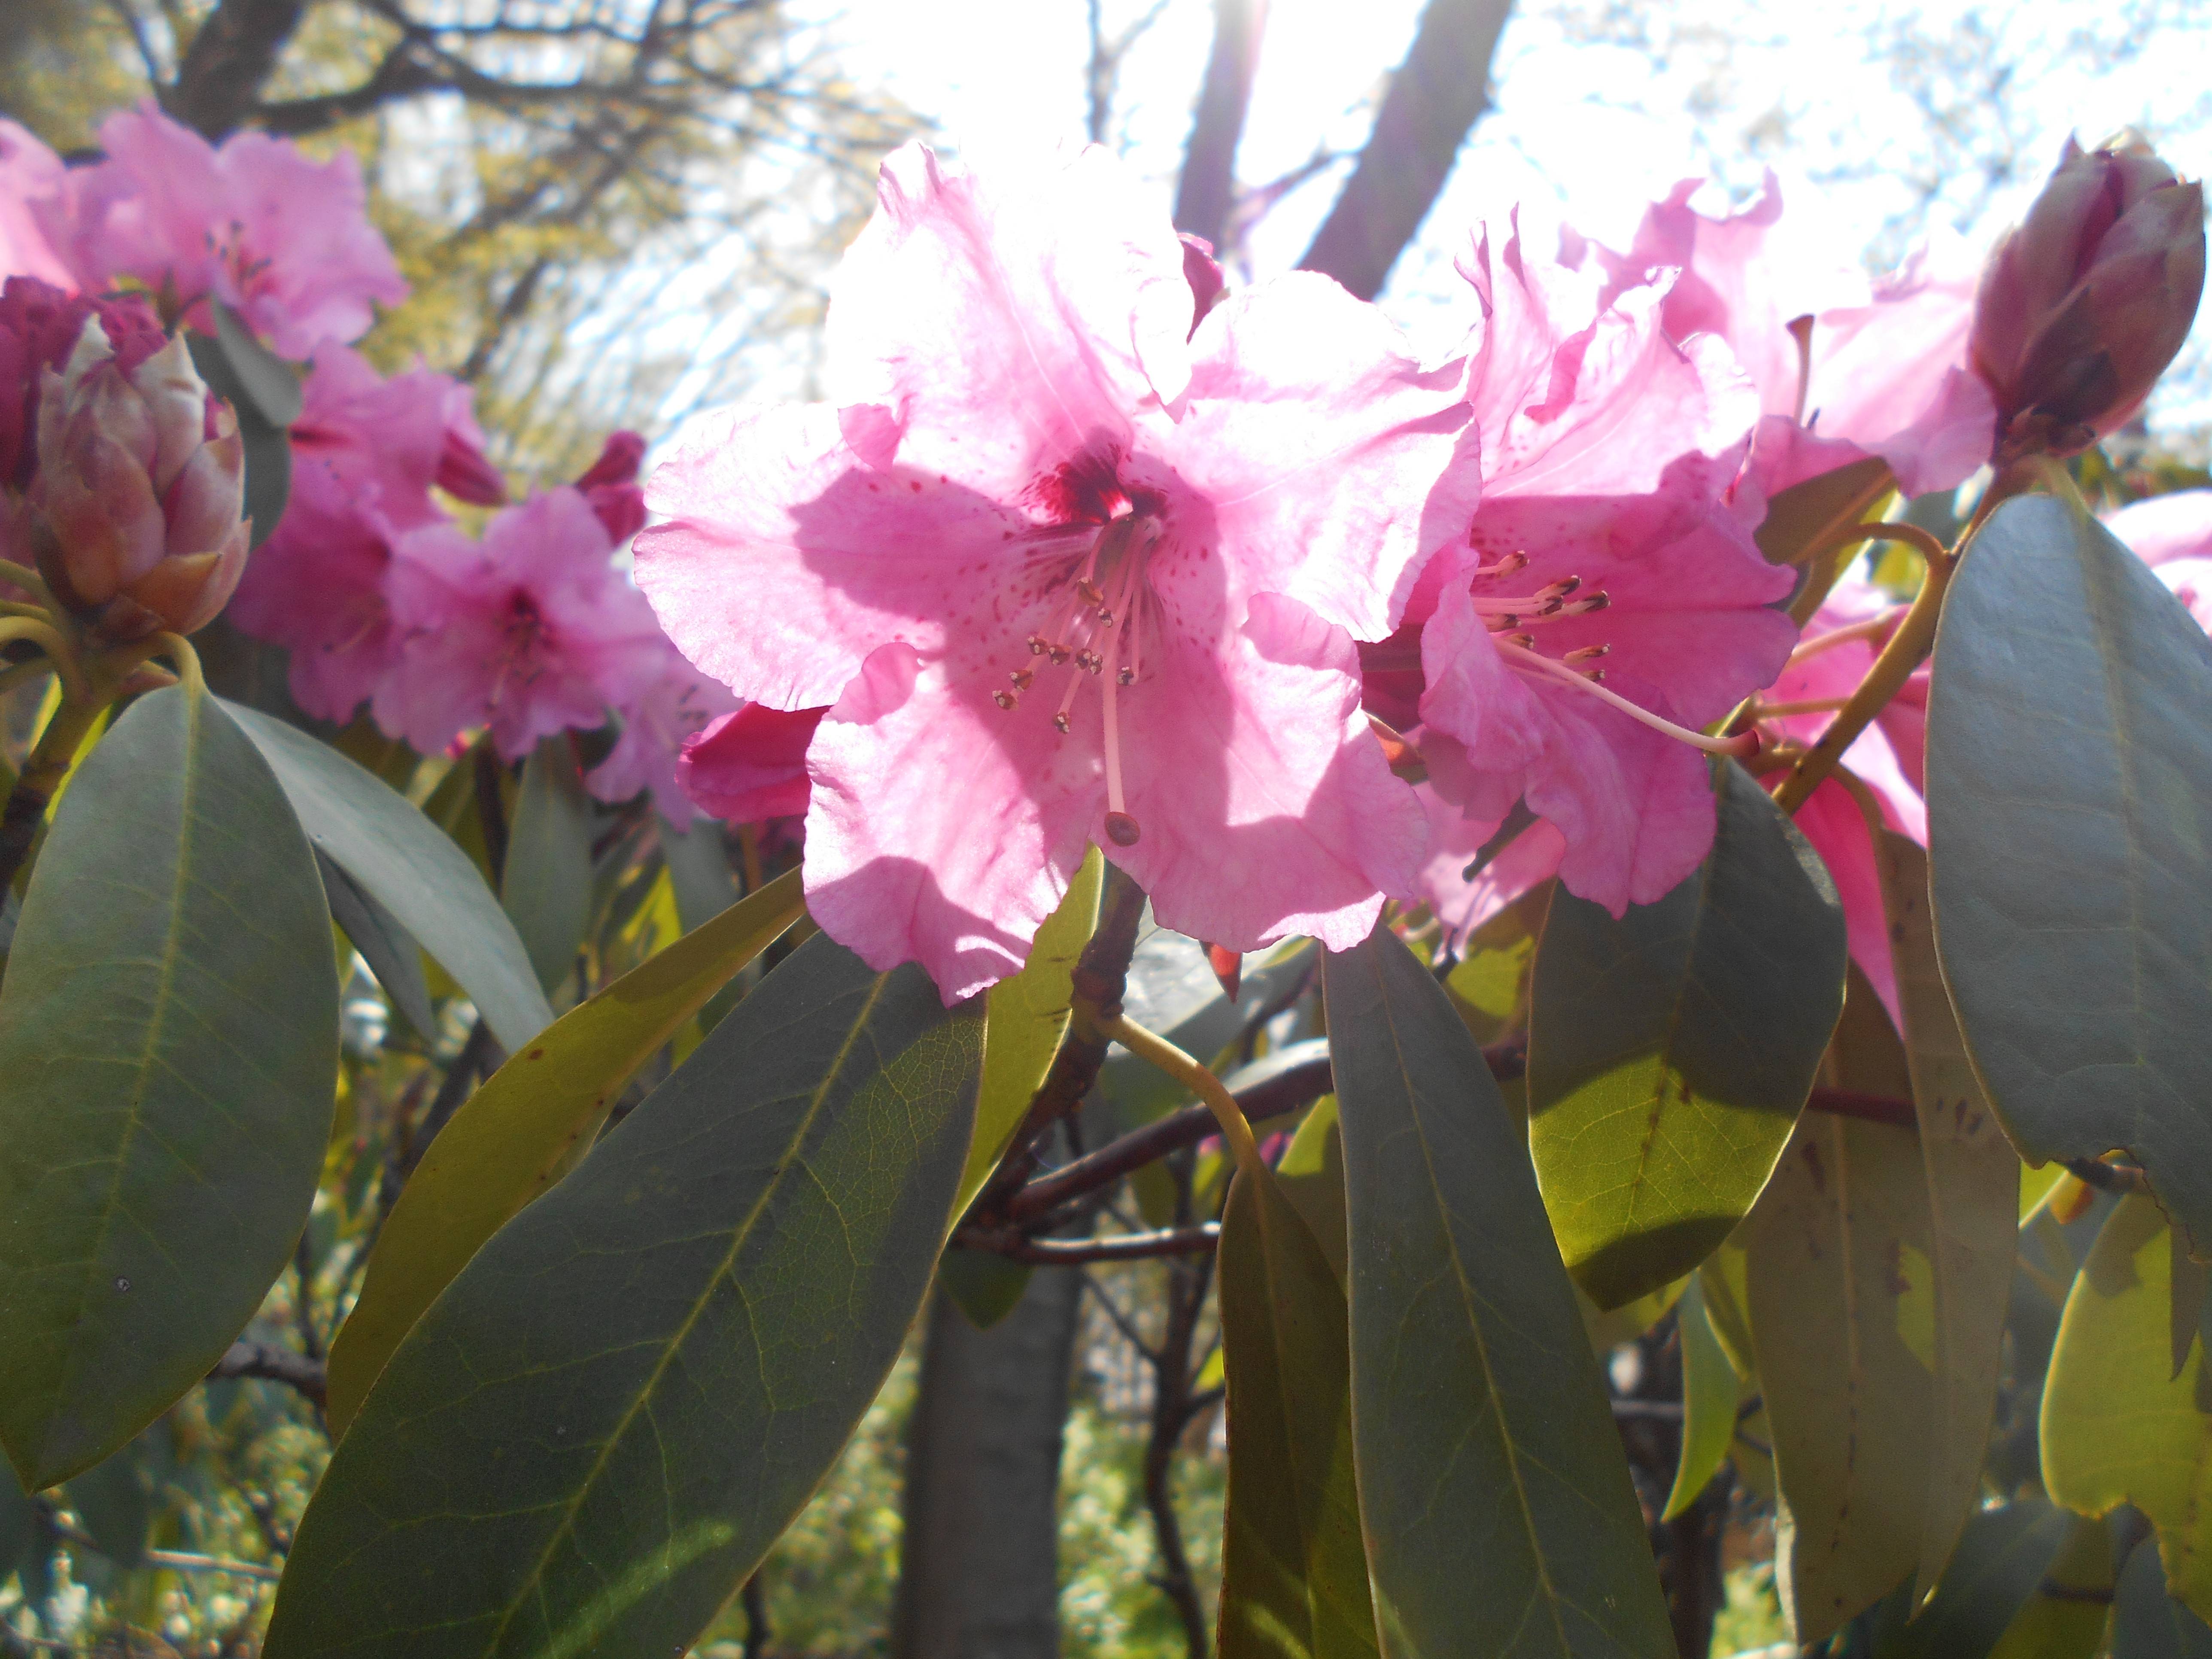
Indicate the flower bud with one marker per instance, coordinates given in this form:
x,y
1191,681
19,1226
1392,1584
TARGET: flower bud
x,y
136,504
2084,304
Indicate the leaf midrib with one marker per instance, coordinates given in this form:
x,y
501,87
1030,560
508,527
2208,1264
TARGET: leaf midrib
x,y
739,1236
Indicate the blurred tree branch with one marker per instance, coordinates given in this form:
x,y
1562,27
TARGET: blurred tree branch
x,y
1435,98
1207,191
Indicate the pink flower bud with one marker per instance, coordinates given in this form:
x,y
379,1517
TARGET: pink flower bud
x,y
2086,302
135,507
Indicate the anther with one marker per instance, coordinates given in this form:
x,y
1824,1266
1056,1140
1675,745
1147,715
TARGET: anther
x,y
1039,645
1586,653
1090,592
1582,607
1504,566
1005,699
1105,616
1121,829
1526,641
1021,678
1088,662
1127,676
1505,624
1560,589
1595,676
1058,654
1061,720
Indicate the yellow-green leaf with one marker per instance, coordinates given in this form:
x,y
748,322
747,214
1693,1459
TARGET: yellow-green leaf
x,y
512,1138
1311,1176
2118,1428
1973,1204
1024,1018
1709,1395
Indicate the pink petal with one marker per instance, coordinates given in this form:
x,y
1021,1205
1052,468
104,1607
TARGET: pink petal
x,y
750,766
317,587
2178,526
1011,325
30,179
1326,454
1832,821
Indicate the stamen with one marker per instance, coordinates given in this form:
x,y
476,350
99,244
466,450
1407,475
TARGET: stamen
x,y
1560,589
1090,590
1059,653
1526,641
1585,654
1120,829
1039,645
1742,745
1582,607
1022,678
1504,620
1872,628
1088,662
1005,699
1504,566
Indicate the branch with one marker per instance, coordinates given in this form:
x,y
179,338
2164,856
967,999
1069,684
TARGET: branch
x,y
1074,1252
1208,188
229,61
1434,100
273,1364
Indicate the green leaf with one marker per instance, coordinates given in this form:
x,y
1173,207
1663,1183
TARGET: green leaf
x,y
1311,1176
545,887
2001,1557
515,1137
169,1035
1027,1015
2070,787
1669,1051
1842,1316
270,384
598,1430
1496,1500
1293,1571
388,949
698,869
1709,1400
2065,1618
113,1503
2146,1622
2116,1427
985,1287
1973,1204
412,868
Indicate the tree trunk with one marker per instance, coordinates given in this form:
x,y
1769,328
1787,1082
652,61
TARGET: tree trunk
x,y
979,1570
1434,100
1208,188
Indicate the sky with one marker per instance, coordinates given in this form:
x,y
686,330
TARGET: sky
x,y
1600,106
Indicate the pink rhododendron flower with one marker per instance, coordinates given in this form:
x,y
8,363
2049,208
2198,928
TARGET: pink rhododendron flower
x,y
1069,571
750,766
1885,369
2172,534
283,240
317,587
529,632
1609,546
1839,647
30,179
610,485
660,719
403,435
40,326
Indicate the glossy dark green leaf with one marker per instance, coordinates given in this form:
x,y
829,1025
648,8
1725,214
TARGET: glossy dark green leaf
x,y
1670,1050
546,886
1294,1571
1496,1501
169,1033
596,1433
2070,792
2000,1561
2146,1622
526,1126
388,949
1973,1209
412,868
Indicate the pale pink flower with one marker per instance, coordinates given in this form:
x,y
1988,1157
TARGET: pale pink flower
x,y
659,720
30,181
1609,547
531,631
750,766
403,435
2172,534
1069,571
285,240
317,587
1885,371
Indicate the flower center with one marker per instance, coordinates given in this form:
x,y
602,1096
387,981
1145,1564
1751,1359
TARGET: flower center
x,y
1095,632
1508,618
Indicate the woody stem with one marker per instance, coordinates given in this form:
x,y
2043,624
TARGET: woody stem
x,y
41,775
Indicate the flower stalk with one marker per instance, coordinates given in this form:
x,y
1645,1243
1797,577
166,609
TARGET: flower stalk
x,y
1159,1052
